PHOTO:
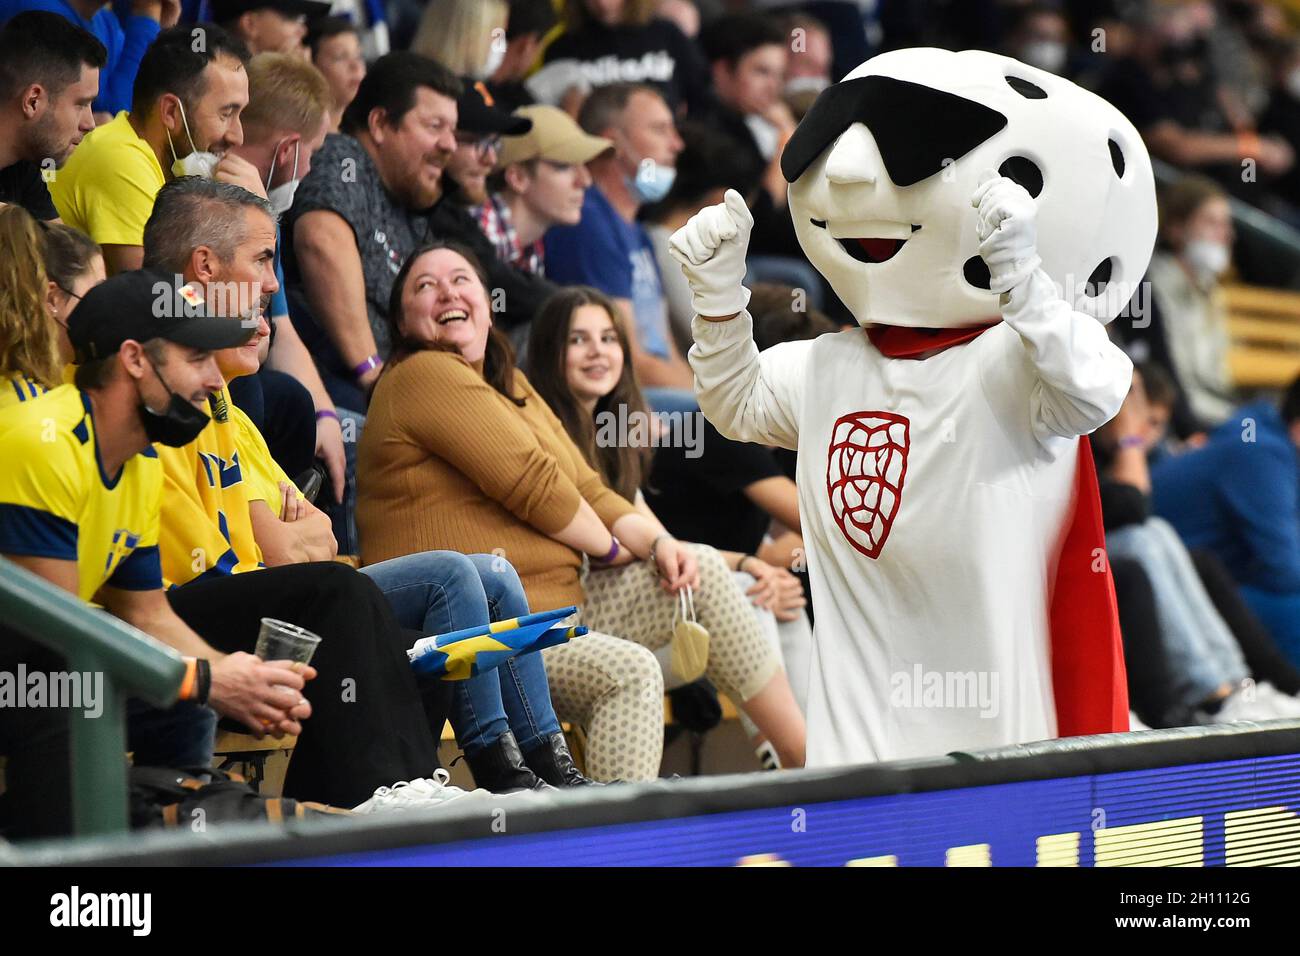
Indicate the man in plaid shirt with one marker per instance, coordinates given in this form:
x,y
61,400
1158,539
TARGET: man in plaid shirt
x,y
539,182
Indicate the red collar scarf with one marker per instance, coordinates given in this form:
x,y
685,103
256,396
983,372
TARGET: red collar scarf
x,y
1088,678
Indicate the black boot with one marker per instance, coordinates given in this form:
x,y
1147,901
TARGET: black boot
x,y
554,764
500,767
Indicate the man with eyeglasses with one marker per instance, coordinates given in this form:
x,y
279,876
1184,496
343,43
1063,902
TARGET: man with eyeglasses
x,y
478,141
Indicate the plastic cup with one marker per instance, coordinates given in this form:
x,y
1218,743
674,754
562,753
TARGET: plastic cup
x,y
279,641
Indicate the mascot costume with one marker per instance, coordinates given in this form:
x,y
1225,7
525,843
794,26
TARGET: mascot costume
x,y
982,219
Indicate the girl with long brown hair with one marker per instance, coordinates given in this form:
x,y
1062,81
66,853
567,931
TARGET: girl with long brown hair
x,y
578,360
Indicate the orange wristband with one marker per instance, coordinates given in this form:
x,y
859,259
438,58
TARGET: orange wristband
x,y
189,685
1248,145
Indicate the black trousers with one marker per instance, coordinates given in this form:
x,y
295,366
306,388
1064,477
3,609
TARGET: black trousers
x,y
1150,680
1265,660
371,724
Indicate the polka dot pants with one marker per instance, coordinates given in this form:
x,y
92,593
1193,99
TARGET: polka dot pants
x,y
613,686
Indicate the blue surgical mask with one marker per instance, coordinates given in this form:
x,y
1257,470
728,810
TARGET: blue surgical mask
x,y
652,181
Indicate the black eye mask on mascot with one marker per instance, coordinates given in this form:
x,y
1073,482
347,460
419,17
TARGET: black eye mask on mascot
x,y
892,109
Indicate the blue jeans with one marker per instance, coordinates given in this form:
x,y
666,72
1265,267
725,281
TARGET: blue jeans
x,y
1202,653
670,400
439,591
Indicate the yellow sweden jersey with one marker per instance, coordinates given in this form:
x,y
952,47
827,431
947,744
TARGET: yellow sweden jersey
x,y
206,529
56,501
262,474
18,388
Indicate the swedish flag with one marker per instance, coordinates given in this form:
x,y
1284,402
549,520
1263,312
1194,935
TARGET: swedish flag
x,y
471,651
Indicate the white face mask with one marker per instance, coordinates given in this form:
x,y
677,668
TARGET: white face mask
x,y
809,84
496,55
1208,259
1047,55
197,163
281,197
1293,83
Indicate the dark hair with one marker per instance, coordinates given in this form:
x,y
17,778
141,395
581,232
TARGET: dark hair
x,y
326,28
776,320
605,104
1159,385
45,48
1181,200
175,61
730,37
390,85
1290,407
622,465
190,212
95,373
499,357
709,161
530,16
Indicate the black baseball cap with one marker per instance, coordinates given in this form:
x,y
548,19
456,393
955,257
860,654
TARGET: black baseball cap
x,y
143,305
477,112
223,11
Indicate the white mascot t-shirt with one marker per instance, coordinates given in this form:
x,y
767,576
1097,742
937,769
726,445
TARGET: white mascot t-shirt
x,y
934,492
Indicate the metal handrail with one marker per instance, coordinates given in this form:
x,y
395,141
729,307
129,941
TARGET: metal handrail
x,y
132,663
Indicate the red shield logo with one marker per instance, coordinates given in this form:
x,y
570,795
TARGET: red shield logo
x,y
865,469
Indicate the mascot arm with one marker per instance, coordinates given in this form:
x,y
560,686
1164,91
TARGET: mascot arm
x,y
748,396
1081,376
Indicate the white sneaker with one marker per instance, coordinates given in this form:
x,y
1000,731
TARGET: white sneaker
x,y
1237,707
419,794
1282,705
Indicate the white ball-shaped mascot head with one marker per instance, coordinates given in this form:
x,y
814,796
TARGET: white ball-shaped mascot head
x,y
883,167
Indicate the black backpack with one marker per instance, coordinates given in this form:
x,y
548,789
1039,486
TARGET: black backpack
x,y
197,798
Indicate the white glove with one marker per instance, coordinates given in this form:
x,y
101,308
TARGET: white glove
x,y
1007,229
711,249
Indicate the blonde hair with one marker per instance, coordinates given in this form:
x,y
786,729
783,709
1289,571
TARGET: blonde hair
x,y
29,342
286,92
457,33
635,13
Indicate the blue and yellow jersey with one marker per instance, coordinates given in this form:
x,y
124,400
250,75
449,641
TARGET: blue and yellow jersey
x,y
262,473
57,502
206,528
17,387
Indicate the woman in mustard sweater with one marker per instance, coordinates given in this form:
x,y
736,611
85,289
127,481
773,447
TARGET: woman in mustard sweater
x,y
460,453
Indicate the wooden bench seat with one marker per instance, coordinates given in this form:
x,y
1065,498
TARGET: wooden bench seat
x,y
1264,325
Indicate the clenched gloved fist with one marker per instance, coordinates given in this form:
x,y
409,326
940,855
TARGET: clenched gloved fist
x,y
1006,224
711,249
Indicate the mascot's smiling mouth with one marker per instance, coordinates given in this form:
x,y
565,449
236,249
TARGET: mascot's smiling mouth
x,y
876,247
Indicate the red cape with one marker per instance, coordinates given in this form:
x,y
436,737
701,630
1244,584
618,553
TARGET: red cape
x,y
1088,677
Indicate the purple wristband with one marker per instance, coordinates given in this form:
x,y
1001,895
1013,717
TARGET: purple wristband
x,y
327,413
613,551
373,362
1132,441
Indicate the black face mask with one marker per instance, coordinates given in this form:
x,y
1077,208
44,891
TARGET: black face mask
x,y
1194,49
916,127
177,425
